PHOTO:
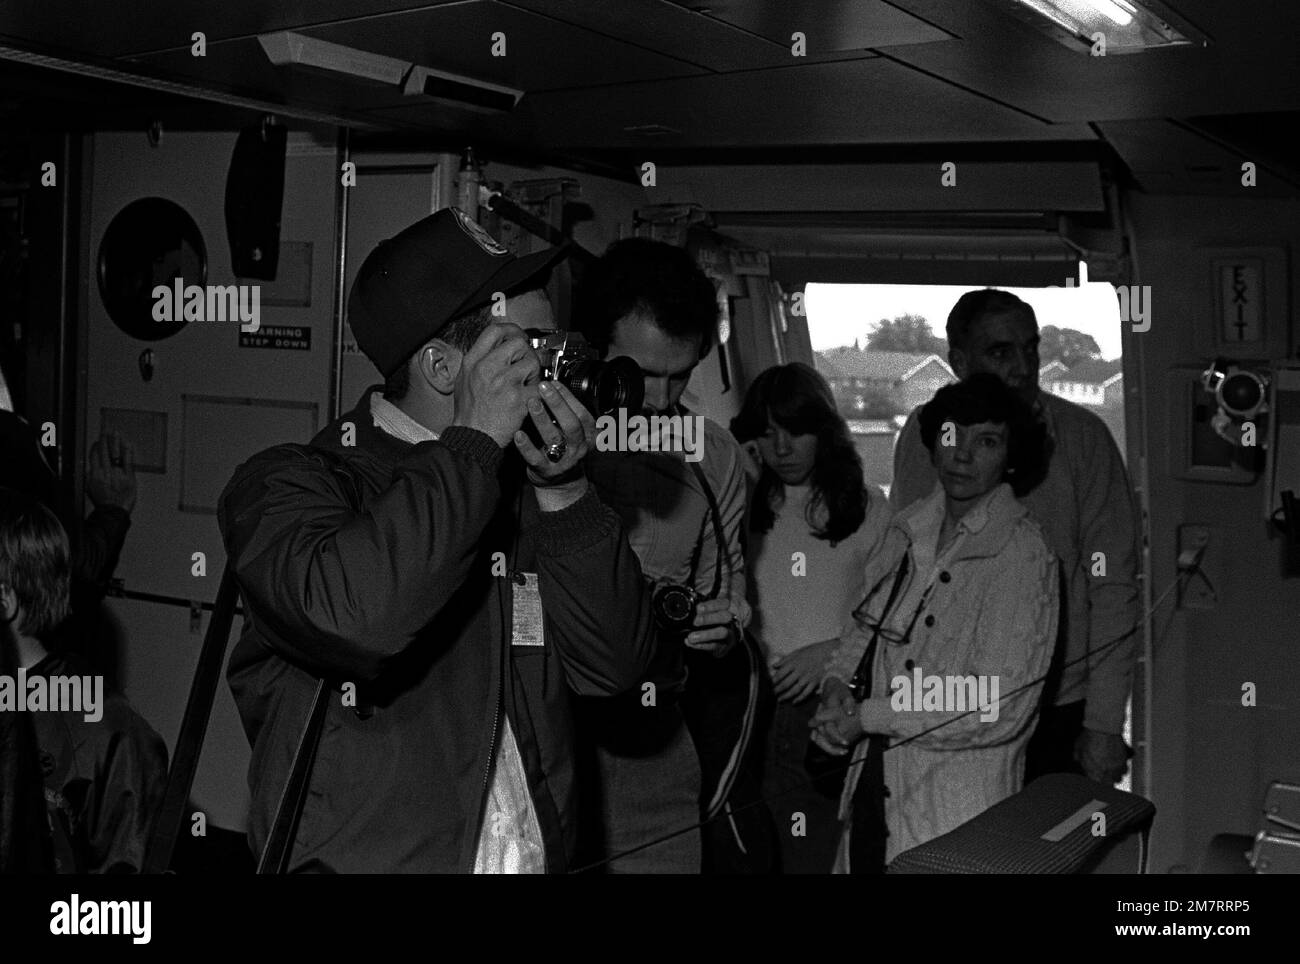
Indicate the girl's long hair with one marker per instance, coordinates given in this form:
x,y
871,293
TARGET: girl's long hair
x,y
798,399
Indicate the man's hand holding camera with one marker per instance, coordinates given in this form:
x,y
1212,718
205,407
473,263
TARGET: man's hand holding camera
x,y
499,386
498,377
717,629
568,432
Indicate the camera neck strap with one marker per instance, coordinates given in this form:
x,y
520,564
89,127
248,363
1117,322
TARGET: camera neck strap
x,y
719,537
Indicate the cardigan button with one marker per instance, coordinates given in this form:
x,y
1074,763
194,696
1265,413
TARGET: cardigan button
x,y
910,665
929,620
945,576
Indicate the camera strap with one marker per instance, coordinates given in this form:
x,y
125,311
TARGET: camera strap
x,y
719,537
715,516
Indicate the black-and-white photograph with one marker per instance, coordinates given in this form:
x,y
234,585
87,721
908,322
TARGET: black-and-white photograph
x,y
745,438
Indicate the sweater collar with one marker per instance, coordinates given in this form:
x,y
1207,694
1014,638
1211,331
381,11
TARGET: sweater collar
x,y
397,423
987,525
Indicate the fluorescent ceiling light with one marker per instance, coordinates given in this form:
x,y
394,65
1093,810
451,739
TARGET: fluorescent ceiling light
x,y
1129,26
1116,11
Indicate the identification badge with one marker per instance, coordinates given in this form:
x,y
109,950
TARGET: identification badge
x,y
526,624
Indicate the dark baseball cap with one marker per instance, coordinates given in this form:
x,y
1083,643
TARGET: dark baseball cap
x,y
438,269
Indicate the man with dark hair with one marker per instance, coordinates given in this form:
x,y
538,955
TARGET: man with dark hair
x,y
1085,506
650,302
104,767
451,594
638,278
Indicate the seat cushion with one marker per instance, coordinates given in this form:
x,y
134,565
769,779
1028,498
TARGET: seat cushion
x,y
1046,828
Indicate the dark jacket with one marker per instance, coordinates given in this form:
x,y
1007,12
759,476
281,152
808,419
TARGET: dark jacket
x,y
104,778
25,843
403,599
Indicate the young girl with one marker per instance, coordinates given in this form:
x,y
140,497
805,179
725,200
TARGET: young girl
x,y
812,527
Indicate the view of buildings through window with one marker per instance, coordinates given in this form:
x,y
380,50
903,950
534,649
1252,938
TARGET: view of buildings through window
x,y
883,350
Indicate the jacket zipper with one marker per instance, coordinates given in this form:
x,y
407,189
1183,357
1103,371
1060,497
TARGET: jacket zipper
x,y
507,622
492,743
492,752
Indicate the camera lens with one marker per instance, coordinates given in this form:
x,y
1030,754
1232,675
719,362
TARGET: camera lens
x,y
676,606
620,385
605,387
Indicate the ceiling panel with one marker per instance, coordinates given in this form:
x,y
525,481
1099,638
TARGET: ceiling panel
x,y
856,102
541,54
665,26
828,25
1166,157
109,29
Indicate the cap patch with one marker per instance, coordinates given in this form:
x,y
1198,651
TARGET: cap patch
x,y
480,237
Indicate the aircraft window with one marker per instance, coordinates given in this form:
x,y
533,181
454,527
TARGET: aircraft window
x,y
884,351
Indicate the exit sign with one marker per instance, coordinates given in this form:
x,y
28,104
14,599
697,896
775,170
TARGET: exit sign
x,y
1240,298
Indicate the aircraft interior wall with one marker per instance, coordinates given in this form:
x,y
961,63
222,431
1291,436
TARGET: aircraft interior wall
x,y
203,382
1211,756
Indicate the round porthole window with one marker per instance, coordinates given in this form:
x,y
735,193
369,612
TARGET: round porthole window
x,y
150,242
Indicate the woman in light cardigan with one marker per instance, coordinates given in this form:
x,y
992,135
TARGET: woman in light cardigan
x,y
957,670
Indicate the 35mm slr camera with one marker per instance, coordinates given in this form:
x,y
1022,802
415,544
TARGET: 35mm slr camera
x,y
603,387
674,607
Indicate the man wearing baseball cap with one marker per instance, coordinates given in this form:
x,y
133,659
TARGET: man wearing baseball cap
x,y
452,582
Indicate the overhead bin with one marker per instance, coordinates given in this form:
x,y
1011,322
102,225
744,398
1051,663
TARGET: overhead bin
x,y
1016,250
919,186
984,223
802,256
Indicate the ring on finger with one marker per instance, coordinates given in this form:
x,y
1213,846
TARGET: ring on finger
x,y
555,451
